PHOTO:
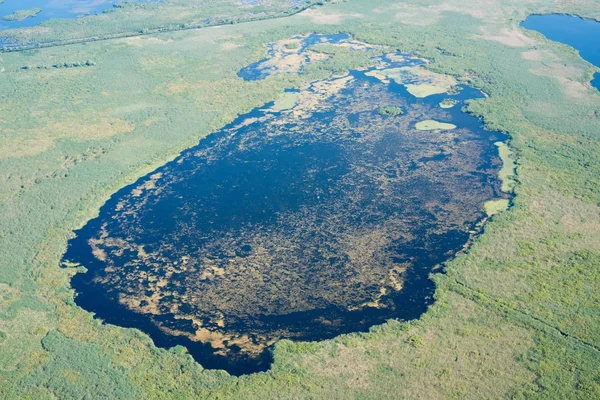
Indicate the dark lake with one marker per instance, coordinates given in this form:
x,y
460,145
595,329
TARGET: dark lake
x,y
305,221
579,33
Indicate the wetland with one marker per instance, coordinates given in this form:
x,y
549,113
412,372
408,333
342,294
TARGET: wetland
x,y
310,217
27,13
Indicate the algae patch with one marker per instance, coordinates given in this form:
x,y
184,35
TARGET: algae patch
x,y
508,171
390,111
285,102
21,15
295,54
493,207
433,125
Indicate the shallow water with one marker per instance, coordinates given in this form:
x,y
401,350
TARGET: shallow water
x,y
54,9
579,33
306,223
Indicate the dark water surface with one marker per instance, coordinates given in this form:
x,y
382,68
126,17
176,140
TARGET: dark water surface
x,y
304,224
579,33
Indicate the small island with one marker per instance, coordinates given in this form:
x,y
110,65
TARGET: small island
x,y
448,103
390,111
21,15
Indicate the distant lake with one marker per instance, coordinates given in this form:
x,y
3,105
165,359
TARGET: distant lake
x,y
579,33
53,9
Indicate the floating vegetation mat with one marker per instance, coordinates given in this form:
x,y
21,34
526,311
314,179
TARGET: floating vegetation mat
x,y
312,216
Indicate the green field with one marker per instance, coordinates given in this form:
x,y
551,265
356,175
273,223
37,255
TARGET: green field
x,y
516,315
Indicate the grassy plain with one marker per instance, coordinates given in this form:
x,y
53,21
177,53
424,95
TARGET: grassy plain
x,y
515,316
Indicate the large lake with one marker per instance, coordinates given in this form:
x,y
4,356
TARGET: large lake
x,y
319,214
53,9
579,33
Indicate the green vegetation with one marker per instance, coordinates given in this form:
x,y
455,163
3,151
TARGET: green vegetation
x,y
515,316
493,207
285,101
340,60
129,19
454,90
20,15
431,125
390,111
448,103
509,169
76,64
292,46
425,89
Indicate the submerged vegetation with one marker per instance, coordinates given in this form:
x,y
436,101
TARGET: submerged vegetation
x,y
390,111
516,315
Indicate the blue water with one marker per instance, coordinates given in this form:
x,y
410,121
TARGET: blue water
x,y
579,33
54,9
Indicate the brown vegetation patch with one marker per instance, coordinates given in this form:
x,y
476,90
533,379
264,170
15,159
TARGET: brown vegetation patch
x,y
29,142
511,37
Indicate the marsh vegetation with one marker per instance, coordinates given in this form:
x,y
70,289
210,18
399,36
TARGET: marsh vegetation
x,y
21,15
514,316
390,111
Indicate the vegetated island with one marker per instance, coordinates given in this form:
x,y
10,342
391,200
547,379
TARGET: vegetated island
x,y
448,103
432,125
21,15
390,111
